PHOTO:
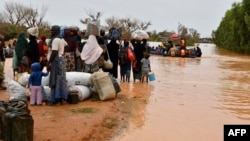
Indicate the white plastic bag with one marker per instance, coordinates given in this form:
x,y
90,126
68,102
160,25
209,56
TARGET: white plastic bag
x,y
23,79
108,64
45,80
84,92
16,90
140,34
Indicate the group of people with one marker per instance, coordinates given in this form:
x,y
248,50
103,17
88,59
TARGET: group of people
x,y
2,62
66,52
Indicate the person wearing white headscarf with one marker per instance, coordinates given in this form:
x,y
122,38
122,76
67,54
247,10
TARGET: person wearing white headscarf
x,y
32,49
90,54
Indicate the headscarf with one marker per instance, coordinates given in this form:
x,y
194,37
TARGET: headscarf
x,y
68,37
43,38
36,67
21,45
91,50
41,43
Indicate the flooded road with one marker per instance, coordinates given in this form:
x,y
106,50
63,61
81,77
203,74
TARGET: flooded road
x,y
192,98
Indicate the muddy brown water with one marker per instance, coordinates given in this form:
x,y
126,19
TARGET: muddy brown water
x,y
193,98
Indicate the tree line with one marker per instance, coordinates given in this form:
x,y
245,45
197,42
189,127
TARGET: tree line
x,y
233,33
16,18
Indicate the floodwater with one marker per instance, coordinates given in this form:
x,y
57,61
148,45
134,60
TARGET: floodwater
x,y
193,98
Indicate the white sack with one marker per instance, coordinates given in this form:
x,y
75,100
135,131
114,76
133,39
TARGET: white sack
x,y
46,93
140,34
84,92
78,78
23,78
16,90
45,80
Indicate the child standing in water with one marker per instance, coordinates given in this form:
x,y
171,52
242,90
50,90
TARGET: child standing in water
x,y
145,67
35,84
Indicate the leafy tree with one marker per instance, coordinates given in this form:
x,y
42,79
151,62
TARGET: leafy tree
x,y
233,31
112,22
17,17
246,9
194,34
154,36
182,30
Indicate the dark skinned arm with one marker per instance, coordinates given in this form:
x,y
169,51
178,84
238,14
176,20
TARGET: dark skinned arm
x,y
52,57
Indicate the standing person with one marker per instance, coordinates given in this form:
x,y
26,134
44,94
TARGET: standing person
x,y
183,43
113,49
183,47
57,67
102,35
21,45
77,37
43,51
2,77
198,52
70,50
8,49
2,52
145,67
90,55
101,59
125,65
35,81
139,48
32,50
13,44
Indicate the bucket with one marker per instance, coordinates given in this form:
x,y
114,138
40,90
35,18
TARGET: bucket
x,y
151,76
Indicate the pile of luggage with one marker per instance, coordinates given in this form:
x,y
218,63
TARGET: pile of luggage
x,y
16,122
189,52
81,86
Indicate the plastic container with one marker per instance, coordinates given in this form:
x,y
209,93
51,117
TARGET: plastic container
x,y
73,97
151,76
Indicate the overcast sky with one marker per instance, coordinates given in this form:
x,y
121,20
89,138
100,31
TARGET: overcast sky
x,y
202,15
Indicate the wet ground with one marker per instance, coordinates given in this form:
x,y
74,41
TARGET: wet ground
x,y
193,98
190,100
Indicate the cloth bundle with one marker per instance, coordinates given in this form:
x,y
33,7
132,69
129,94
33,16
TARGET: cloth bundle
x,y
93,28
140,34
114,34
